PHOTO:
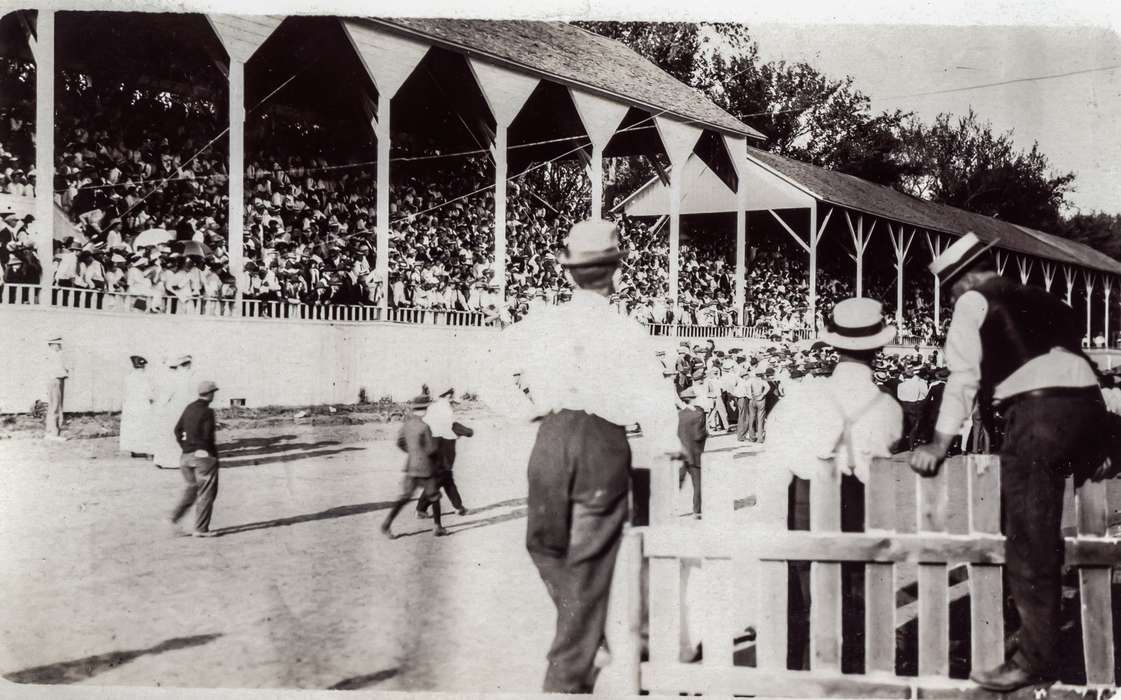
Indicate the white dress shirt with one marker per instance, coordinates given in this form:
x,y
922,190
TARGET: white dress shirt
x,y
912,389
807,424
1058,368
583,356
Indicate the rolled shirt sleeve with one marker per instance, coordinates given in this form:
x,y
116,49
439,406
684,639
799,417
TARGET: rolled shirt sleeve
x,y
963,359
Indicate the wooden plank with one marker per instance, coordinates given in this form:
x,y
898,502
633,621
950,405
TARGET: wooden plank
x,y
665,610
771,633
879,579
770,545
742,680
934,606
986,587
825,577
626,650
719,621
1094,588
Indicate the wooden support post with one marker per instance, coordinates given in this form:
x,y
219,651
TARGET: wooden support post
x,y
1107,289
1048,274
902,247
859,245
1025,263
624,631
384,142
811,292
737,153
1088,279
1068,273
601,118
43,49
1001,261
879,579
235,207
936,245
985,586
500,163
1092,512
934,611
678,139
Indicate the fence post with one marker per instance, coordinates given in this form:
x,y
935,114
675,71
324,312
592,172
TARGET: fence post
x,y
879,579
1094,588
825,577
624,630
986,590
934,610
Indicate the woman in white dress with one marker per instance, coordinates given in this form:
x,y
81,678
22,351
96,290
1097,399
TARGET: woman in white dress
x,y
136,410
176,391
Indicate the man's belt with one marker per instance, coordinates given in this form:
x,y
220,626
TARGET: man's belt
x,y
1091,393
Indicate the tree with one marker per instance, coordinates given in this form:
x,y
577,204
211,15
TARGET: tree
x,y
804,114
1098,230
962,163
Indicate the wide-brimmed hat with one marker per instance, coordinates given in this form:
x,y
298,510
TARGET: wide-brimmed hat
x,y
688,393
207,387
858,324
179,361
591,242
420,401
959,257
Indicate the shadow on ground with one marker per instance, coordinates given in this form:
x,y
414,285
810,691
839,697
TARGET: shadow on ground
x,y
364,681
65,672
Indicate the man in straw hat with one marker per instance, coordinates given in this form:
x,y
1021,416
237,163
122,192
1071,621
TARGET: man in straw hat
x,y
588,371
836,424
1016,348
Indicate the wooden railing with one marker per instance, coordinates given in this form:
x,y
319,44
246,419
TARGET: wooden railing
x,y
738,558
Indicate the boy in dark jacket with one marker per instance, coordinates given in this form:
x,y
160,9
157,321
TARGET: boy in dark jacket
x,y
199,464
693,433
422,466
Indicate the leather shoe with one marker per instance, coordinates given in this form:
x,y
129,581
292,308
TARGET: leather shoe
x,y
1008,677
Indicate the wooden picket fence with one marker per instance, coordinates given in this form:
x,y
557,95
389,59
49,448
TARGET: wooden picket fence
x,y
739,558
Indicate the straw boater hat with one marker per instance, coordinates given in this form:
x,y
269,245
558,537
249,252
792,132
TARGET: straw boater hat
x,y
959,257
858,324
592,242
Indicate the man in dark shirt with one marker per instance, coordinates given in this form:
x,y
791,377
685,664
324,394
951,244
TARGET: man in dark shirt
x,y
199,464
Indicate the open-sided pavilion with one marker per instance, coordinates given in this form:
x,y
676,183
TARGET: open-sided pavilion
x,y
807,202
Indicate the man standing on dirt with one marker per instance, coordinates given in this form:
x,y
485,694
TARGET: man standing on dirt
x,y
57,373
589,372
445,431
195,433
422,466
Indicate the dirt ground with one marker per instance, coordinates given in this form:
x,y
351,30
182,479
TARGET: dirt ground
x,y
299,590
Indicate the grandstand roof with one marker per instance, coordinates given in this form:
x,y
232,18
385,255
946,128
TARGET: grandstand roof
x,y
570,55
860,195
703,194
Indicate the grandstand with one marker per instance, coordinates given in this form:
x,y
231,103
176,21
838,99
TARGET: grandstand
x,y
432,185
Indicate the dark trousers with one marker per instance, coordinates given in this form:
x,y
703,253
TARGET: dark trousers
x,y
430,495
579,475
852,580
445,481
202,489
912,421
756,416
694,474
742,418
1046,439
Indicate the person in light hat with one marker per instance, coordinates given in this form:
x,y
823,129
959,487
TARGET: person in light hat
x,y
445,431
176,389
195,434
57,374
136,428
1016,348
422,467
597,375
838,423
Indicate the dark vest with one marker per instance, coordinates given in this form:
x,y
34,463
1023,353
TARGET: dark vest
x,y
1022,323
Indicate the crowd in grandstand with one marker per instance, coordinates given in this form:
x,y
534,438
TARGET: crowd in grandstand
x,y
128,163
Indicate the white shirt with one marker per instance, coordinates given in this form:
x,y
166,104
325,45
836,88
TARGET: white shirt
x,y
963,358
807,424
912,389
583,356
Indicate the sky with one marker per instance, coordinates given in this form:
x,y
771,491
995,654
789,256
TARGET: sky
x,y
1075,118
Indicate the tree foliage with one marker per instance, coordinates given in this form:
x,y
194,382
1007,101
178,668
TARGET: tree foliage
x,y
959,161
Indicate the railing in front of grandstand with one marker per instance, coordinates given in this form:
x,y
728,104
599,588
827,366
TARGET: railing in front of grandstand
x,y
684,330
123,302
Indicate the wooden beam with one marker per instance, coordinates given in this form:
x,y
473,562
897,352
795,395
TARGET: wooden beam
x,y
1094,584
805,246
